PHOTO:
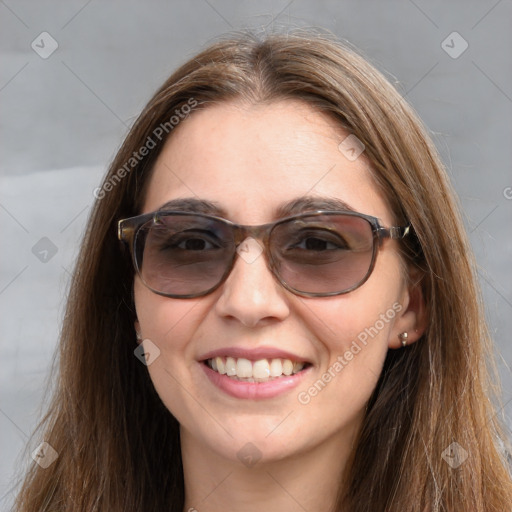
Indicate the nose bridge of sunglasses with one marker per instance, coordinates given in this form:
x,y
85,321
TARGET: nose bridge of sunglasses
x,y
250,248
250,241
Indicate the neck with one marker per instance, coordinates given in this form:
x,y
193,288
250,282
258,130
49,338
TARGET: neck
x,y
306,481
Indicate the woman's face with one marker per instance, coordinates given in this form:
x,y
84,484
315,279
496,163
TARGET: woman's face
x,y
250,161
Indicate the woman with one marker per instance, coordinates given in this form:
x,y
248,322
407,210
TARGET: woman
x,y
275,306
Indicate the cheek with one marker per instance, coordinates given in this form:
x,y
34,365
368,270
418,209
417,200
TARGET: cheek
x,y
352,342
352,335
352,338
343,324
167,322
170,325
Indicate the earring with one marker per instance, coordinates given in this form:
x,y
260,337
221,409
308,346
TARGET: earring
x,y
139,335
403,338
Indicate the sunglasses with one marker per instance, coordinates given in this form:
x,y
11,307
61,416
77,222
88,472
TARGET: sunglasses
x,y
315,254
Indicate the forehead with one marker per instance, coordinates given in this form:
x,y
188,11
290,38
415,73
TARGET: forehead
x,y
251,159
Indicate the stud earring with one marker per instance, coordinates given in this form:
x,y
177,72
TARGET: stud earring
x,y
403,338
139,335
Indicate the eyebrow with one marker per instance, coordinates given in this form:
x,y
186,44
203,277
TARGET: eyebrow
x,y
295,206
193,205
312,203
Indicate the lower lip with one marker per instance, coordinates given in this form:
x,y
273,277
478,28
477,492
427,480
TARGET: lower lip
x,y
253,390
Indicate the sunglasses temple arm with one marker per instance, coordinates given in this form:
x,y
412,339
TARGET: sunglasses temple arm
x,y
125,232
395,232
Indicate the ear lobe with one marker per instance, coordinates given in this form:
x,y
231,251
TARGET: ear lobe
x,y
137,332
413,318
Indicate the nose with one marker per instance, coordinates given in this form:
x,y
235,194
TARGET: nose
x,y
250,294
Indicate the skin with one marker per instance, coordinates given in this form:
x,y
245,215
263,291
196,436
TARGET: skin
x,y
250,159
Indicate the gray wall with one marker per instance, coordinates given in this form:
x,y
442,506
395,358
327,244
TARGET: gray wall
x,y
63,117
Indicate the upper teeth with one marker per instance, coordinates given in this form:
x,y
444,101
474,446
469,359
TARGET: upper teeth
x,y
260,370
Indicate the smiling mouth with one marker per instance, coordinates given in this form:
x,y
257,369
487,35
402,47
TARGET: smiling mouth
x,y
262,370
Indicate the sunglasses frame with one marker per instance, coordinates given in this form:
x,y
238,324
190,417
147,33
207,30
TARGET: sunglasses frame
x,y
128,229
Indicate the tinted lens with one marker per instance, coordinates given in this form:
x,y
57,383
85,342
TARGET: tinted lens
x,y
183,254
323,254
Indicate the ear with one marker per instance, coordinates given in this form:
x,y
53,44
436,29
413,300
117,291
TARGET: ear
x,y
412,318
137,331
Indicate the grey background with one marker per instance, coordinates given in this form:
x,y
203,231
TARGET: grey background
x,y
62,119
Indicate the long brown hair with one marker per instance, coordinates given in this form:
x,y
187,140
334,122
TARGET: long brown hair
x,y
118,446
